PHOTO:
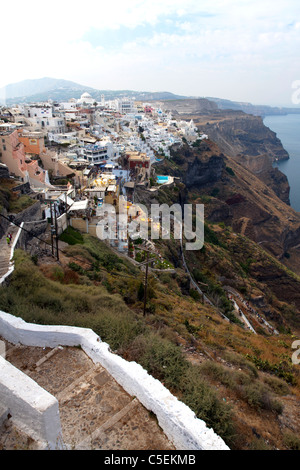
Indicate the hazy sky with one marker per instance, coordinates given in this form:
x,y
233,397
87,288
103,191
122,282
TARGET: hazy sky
x,y
235,49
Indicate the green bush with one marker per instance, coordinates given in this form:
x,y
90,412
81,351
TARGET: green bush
x,y
277,386
259,444
40,300
202,399
282,369
195,294
71,236
291,441
230,171
160,357
257,396
255,393
238,360
20,204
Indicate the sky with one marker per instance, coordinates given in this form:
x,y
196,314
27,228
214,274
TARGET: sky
x,y
234,49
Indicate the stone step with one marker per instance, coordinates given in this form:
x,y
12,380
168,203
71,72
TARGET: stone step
x,y
25,357
95,411
12,438
94,402
100,432
74,388
60,369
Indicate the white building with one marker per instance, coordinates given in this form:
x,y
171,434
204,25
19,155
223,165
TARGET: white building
x,y
100,152
86,98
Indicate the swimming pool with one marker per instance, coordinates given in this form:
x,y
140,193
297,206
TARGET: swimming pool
x,y
162,179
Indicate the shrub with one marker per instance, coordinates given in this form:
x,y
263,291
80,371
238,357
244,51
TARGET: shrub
x,y
230,171
202,399
21,203
282,369
71,236
195,294
237,359
259,444
291,441
257,396
254,393
40,300
159,357
277,386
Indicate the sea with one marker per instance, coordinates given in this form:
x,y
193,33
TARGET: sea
x,y
287,129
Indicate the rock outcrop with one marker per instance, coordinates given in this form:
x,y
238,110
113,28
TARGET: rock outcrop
x,y
238,133
262,167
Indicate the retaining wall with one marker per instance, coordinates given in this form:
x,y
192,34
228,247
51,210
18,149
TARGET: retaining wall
x,y
34,410
33,212
179,422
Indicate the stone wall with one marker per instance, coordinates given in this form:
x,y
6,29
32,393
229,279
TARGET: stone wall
x,y
34,410
23,188
31,230
33,212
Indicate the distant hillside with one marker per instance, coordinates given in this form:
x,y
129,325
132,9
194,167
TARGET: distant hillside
x,y
40,86
43,89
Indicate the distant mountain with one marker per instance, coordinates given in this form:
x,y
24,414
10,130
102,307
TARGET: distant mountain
x,y
43,89
40,86
256,110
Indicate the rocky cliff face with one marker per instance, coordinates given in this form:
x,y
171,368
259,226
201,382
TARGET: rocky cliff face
x,y
261,166
239,197
189,106
235,131
241,136
201,172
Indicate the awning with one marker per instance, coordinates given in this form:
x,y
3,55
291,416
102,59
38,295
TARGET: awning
x,y
79,205
64,198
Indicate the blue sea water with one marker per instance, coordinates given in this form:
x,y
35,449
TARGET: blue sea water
x,y
287,129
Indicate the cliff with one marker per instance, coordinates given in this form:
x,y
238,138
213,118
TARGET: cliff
x,y
235,195
238,133
189,106
235,131
261,166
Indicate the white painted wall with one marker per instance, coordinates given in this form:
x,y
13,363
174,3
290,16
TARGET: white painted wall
x,y
11,263
179,422
33,409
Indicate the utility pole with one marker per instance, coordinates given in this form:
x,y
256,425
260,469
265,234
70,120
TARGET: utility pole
x,y
51,228
56,236
146,283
